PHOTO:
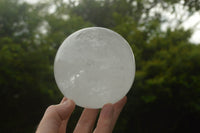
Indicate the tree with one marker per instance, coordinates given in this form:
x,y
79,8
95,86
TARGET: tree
x,y
26,79
161,98
165,94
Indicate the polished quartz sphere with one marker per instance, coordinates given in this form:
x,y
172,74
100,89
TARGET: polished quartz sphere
x,y
94,66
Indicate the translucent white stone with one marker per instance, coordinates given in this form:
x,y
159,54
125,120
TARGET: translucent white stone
x,y
94,66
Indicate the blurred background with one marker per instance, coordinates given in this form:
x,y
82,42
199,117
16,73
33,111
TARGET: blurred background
x,y
164,36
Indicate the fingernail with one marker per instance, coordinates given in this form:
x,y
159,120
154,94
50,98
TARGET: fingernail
x,y
108,110
67,102
64,99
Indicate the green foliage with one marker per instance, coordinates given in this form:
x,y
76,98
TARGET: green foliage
x,y
165,95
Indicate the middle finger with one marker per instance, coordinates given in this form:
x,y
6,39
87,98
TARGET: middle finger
x,y
86,121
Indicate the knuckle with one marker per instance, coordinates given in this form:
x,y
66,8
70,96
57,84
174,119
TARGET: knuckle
x,y
51,108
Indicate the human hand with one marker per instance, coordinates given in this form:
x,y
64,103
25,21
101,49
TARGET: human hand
x,y
56,117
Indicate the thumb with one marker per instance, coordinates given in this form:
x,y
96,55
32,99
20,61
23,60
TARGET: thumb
x,y
54,116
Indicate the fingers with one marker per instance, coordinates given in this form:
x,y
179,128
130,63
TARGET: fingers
x,y
105,119
55,115
63,126
86,121
109,116
118,108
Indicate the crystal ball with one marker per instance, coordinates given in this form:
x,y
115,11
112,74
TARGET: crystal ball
x,y
94,66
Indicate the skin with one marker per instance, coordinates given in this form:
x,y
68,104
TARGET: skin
x,y
56,117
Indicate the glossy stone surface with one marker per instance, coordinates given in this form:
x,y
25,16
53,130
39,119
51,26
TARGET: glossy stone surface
x,y
94,66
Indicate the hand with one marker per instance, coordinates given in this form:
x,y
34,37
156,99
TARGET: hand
x,y
56,117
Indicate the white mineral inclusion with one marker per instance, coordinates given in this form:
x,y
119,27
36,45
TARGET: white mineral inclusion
x,y
94,66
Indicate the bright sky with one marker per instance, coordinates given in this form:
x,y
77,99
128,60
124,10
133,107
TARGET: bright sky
x,y
172,18
189,22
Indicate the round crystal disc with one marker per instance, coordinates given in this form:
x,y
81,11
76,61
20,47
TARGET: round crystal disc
x,y
94,66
